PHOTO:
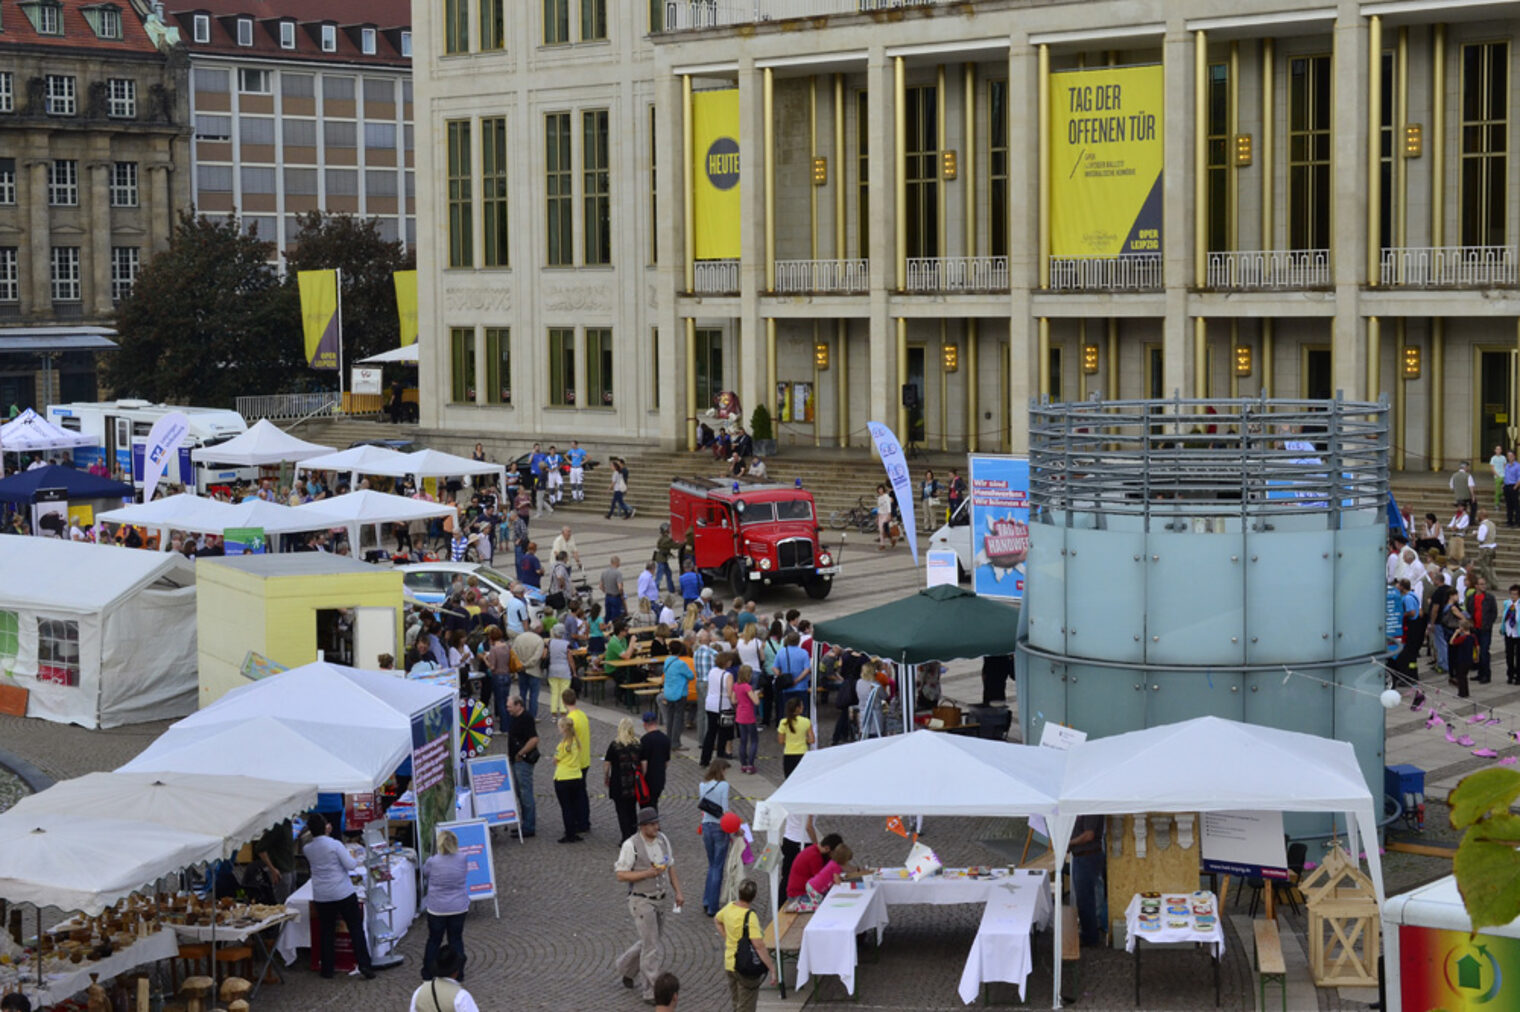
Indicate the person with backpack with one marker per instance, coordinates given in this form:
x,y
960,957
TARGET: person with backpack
x,y
746,961
621,769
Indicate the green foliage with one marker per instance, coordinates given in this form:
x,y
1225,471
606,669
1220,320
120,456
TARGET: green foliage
x,y
366,262
760,422
1487,864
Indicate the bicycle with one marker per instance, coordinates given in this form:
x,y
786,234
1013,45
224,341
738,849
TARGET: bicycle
x,y
860,516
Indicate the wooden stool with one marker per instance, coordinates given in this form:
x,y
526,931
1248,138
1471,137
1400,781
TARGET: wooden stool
x,y
234,988
197,993
234,956
195,956
241,1005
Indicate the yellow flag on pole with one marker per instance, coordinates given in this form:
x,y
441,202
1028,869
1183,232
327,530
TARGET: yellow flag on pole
x,y
319,317
406,305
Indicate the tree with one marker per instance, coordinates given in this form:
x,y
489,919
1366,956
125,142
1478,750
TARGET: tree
x,y
207,320
354,247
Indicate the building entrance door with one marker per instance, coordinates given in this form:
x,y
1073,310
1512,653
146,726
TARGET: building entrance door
x,y
709,366
1496,387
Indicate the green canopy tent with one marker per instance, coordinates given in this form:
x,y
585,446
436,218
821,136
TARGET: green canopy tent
x,y
943,623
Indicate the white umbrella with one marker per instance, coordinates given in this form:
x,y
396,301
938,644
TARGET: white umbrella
x,y
263,443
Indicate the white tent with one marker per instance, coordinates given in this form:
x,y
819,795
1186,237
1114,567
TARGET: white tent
x,y
354,460
437,464
367,507
342,728
76,861
183,511
29,431
1210,764
104,636
234,808
406,354
263,443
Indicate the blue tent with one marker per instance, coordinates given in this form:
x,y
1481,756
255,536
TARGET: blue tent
x,y
22,488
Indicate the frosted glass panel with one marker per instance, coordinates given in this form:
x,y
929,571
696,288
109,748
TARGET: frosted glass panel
x,y
1194,611
1182,695
1046,596
1105,595
1042,694
1298,704
1359,719
1290,587
1359,591
1103,701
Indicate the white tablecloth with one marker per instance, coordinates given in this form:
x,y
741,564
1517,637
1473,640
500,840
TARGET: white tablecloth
x,y
296,934
1001,950
828,941
226,933
65,984
1214,936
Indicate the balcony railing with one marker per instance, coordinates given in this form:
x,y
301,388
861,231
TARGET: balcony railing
x,y
822,277
1448,267
1130,272
1270,270
958,274
284,406
690,15
716,277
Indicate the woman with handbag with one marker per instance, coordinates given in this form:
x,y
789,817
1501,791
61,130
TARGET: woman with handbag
x,y
746,960
620,772
719,705
713,802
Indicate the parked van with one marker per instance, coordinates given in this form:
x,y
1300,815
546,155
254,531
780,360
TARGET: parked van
x,y
120,430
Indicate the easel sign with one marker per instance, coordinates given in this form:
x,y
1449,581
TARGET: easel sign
x,y
492,791
480,870
1244,844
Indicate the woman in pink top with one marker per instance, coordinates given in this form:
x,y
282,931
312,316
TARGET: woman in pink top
x,y
833,870
746,697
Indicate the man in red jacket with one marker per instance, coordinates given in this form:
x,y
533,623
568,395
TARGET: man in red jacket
x,y
1484,610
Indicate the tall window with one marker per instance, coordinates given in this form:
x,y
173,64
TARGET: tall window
x,y
493,189
1385,152
493,24
330,39
1218,157
108,23
560,189
121,100
10,278
862,176
124,184
1309,99
245,31
65,273
7,91
287,35
7,180
598,367
49,18
367,41
654,367
923,171
1485,142
201,28
61,97
656,16
63,182
461,235
456,26
556,22
596,188
654,192
462,365
562,366
499,365
126,261
997,168
593,20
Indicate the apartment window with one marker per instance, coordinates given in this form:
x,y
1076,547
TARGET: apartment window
x,y
997,168
406,44
380,91
342,182
461,233
124,184
1385,152
258,179
1485,142
210,80
493,189
7,91
214,179
49,18
125,263
380,182
562,367
10,278
1309,109
302,182
337,89
253,82
462,365
297,85
380,136
63,183
7,180
493,24
596,188
299,133
456,26
1217,163
499,365
923,171
245,31
598,367
654,192
58,651
593,20
556,22
121,98
108,23
560,189
256,130
862,176
338,133
61,100
201,28
367,41
287,35
65,273
210,127
329,38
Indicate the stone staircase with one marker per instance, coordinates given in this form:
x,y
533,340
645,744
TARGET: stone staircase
x,y
1429,493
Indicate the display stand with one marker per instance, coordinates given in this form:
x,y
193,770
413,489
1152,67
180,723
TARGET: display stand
x,y
379,910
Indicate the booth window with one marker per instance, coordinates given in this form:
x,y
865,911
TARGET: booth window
x,y
58,651
10,637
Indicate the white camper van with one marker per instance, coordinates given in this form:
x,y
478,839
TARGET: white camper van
x,y
121,428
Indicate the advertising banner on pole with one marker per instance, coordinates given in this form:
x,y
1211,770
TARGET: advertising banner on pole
x,y
1106,161
433,770
163,439
319,317
999,525
406,304
715,146
896,465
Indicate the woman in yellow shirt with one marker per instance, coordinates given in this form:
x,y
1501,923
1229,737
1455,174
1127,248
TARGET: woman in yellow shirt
x,y
567,778
796,733
734,922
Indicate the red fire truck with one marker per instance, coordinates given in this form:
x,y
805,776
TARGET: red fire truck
x,y
750,534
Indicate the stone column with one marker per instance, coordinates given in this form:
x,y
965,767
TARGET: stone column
x,y
40,246
95,270
160,210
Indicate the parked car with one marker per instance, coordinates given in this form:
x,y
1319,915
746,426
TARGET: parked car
x,y
429,582
399,445
956,536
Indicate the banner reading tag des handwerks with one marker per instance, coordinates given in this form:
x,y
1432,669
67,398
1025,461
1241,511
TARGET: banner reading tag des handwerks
x,y
163,439
897,473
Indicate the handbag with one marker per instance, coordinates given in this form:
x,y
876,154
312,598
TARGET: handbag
x,y
555,600
725,708
746,960
708,806
640,788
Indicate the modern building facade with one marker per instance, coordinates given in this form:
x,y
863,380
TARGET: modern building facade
x,y
300,106
94,152
1337,213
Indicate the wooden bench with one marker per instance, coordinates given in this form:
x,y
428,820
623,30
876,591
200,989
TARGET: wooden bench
x,y
1071,953
789,925
596,684
1269,961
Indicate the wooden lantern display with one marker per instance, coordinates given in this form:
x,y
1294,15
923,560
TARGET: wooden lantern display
x,y
1343,923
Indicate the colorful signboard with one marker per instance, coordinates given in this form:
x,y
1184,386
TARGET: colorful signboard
x,y
433,770
492,790
715,198
474,837
999,525
1440,969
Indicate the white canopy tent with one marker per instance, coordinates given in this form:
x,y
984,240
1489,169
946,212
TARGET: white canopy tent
x,y
354,460
1210,764
187,512
29,432
367,507
263,443
437,464
406,354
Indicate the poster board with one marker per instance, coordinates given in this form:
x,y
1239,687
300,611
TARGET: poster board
x,y
492,791
365,380
999,490
243,540
1244,844
475,844
941,569
433,751
50,513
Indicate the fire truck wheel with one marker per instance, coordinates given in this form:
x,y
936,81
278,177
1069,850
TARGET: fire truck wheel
x,y
818,588
738,579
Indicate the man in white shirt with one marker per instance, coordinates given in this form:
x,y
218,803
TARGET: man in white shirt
x,y
444,993
565,542
1488,545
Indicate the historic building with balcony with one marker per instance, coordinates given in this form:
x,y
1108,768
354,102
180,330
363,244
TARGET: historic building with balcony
x,y
1338,214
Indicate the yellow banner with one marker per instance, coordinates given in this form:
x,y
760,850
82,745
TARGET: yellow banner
x,y
1106,161
319,317
406,305
715,136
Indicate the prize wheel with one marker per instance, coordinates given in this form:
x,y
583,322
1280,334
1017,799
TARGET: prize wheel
x,y
475,728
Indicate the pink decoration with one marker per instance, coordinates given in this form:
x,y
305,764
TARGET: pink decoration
x,y
1508,760
1477,718
1485,753
1465,741
1451,737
